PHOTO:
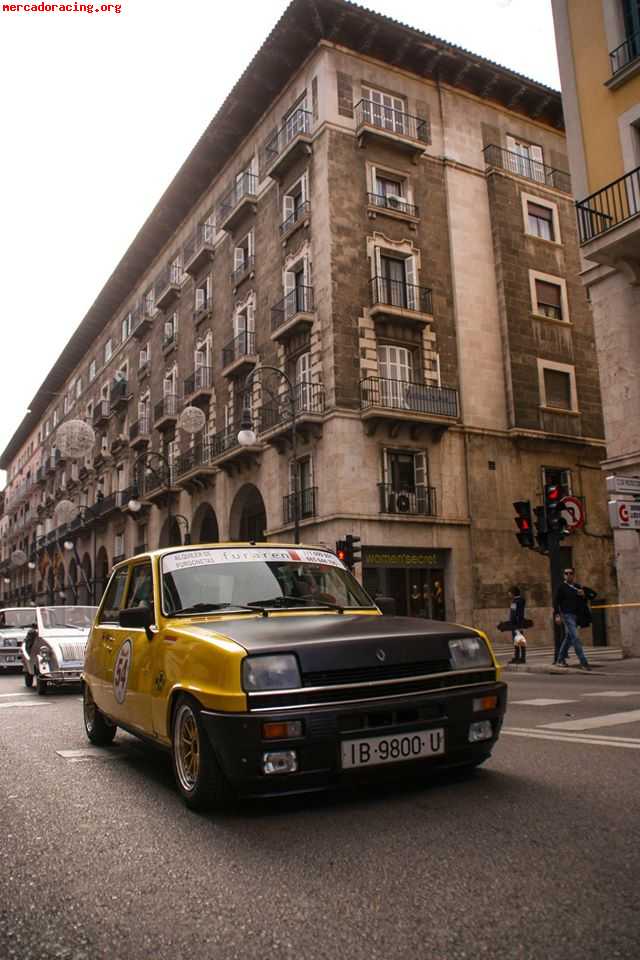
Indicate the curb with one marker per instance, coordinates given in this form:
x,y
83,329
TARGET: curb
x,y
549,668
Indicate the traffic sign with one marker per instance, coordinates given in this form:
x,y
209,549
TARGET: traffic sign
x,y
624,514
572,509
628,485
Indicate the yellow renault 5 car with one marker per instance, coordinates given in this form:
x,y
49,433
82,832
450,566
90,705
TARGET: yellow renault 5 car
x,y
267,669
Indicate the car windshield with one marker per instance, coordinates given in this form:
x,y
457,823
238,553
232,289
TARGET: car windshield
x,y
79,618
264,577
17,618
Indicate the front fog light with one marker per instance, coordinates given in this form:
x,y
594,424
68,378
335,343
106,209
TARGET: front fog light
x,y
279,761
482,730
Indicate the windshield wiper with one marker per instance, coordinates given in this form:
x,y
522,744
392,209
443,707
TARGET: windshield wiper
x,y
308,602
208,607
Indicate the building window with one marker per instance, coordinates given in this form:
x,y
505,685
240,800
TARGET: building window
x,y
170,331
540,221
92,371
557,382
203,296
143,357
118,544
548,296
525,159
395,280
126,327
560,477
78,388
244,256
383,110
108,350
294,203
405,487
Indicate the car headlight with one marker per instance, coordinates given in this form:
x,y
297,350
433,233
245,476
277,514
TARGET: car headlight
x,y
277,671
469,652
46,654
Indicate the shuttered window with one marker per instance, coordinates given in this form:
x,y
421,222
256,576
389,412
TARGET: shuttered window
x,y
557,388
548,299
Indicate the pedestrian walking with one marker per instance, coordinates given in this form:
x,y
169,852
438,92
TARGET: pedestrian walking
x,y
571,608
516,621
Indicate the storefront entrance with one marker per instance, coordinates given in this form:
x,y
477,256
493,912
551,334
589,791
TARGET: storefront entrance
x,y
414,578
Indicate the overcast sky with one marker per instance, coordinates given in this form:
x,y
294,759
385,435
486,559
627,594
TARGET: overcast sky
x,y
99,111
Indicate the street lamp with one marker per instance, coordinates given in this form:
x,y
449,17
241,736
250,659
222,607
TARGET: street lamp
x,y
134,503
247,434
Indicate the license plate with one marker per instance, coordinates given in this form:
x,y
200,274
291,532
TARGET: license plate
x,y
9,658
392,749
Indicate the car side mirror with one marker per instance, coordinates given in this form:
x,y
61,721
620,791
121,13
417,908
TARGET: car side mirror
x,y
387,605
136,618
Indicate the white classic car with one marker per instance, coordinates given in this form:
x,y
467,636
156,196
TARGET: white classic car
x,y
53,651
14,624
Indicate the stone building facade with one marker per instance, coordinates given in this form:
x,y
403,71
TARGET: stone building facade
x,y
395,233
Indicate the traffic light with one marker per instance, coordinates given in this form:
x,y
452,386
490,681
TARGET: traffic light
x,y
341,550
353,551
524,523
553,498
541,529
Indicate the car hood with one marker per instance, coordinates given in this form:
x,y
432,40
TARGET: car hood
x,y
330,641
68,645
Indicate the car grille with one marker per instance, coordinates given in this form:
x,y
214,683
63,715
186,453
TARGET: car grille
x,y
365,691
73,651
391,671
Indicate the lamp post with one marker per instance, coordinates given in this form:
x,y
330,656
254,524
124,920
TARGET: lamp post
x,y
69,545
143,459
247,436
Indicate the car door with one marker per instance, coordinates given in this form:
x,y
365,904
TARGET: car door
x,y
140,653
106,640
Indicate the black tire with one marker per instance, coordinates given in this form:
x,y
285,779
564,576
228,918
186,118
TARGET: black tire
x,y
28,679
98,729
199,777
41,685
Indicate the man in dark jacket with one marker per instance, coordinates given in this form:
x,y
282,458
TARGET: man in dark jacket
x,y
571,607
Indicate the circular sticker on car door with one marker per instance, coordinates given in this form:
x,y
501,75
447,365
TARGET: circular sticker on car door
x,y
121,671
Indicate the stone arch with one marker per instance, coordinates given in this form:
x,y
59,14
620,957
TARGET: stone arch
x,y
204,527
248,515
84,586
170,534
101,574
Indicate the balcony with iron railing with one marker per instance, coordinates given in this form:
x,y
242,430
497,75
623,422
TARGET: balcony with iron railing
x,y
165,411
394,127
397,298
239,355
295,310
119,395
193,468
306,500
526,167
141,319
199,384
226,450
198,249
140,432
287,145
243,269
400,400
275,416
238,201
624,55
416,501
610,218
169,335
101,412
392,204
298,216
168,285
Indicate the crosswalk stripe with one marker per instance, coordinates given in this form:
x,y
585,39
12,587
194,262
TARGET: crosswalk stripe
x,y
613,693
560,738
591,723
539,702
19,693
574,736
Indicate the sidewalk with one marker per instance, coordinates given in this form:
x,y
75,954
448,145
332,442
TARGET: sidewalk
x,y
604,661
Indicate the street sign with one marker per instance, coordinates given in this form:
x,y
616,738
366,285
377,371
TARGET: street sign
x,y
624,514
572,509
628,485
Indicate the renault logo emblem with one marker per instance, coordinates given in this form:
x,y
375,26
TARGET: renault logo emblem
x,y
381,655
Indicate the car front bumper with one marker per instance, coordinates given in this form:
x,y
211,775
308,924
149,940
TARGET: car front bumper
x,y
62,676
10,659
238,742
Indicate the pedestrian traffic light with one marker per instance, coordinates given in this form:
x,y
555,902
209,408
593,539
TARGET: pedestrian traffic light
x,y
353,551
524,523
553,498
341,550
541,529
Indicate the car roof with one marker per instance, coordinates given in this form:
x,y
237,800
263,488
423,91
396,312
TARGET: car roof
x,y
230,544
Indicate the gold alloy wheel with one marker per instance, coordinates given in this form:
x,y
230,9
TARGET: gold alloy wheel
x,y
187,747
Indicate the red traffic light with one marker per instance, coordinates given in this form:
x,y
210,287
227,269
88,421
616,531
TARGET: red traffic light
x,y
524,523
552,493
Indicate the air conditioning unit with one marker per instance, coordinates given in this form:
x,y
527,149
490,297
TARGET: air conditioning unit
x,y
395,201
403,503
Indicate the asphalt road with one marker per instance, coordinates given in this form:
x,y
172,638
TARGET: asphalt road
x,y
533,856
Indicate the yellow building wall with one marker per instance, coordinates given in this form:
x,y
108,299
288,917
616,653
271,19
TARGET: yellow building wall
x,y
599,106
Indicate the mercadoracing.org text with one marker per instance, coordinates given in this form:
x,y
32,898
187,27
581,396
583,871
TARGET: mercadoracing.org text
x,y
62,7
